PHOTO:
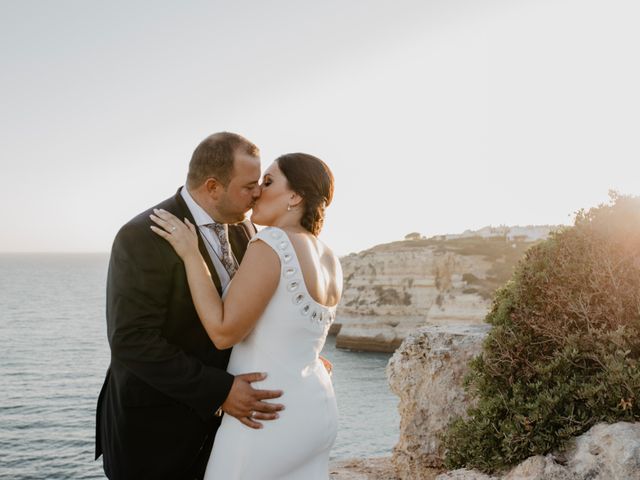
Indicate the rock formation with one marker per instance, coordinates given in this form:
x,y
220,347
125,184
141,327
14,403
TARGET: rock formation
x,y
392,289
605,452
426,372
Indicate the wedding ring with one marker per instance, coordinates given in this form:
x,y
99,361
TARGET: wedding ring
x,y
252,415
173,229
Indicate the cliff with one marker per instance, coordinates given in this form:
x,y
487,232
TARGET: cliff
x,y
392,289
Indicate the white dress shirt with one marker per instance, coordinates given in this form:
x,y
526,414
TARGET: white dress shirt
x,y
211,240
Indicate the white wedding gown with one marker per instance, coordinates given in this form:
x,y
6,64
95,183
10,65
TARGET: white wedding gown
x,y
285,343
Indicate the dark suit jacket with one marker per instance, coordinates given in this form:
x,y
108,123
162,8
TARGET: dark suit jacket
x,y
155,414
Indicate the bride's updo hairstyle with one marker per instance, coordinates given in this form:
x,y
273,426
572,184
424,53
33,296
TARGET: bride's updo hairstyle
x,y
310,178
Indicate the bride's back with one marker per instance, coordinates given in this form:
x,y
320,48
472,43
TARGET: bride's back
x,y
320,267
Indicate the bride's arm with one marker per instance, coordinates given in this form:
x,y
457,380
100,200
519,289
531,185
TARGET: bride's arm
x,y
253,284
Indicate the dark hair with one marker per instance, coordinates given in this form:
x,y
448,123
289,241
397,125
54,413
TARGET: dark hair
x,y
214,157
310,178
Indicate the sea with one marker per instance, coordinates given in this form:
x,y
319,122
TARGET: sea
x,y
54,355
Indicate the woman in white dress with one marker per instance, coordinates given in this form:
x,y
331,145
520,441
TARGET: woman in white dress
x,y
276,313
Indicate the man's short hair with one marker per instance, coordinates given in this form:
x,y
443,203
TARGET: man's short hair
x,y
214,158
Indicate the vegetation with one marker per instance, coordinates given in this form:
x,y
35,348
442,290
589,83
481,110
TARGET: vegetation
x,y
564,350
413,236
391,296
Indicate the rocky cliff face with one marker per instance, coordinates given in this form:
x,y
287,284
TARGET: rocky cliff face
x,y
427,373
392,289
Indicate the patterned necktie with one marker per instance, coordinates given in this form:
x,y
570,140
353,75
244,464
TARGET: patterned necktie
x,y
225,247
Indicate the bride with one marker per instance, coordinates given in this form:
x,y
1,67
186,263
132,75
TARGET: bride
x,y
276,313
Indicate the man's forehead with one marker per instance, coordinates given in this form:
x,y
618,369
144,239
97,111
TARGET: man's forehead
x,y
246,162
246,168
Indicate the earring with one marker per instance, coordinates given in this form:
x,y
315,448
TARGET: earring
x,y
288,208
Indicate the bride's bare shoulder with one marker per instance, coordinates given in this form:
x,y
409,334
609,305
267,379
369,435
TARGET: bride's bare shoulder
x,y
330,263
330,258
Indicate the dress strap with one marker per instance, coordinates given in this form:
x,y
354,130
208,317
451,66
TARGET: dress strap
x,y
278,240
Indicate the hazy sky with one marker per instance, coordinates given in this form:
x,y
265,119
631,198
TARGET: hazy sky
x,y
435,116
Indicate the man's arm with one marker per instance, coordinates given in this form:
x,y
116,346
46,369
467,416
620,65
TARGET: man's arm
x,y
138,291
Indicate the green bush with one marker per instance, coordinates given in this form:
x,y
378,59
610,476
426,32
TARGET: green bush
x,y
564,350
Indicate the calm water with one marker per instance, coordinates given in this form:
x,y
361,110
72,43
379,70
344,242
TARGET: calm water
x,y
54,354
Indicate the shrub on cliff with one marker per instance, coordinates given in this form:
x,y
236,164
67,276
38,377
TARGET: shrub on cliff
x,y
564,351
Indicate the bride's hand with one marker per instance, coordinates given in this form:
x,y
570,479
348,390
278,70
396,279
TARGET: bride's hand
x,y
183,237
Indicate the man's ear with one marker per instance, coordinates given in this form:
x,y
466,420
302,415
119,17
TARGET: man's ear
x,y
213,186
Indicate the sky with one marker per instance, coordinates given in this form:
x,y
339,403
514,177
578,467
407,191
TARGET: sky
x,y
435,116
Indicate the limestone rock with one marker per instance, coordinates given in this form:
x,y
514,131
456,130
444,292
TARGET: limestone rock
x,y
373,334
368,338
362,469
610,452
408,279
540,468
605,452
464,474
427,373
392,289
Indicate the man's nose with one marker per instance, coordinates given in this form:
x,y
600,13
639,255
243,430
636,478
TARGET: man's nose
x,y
257,191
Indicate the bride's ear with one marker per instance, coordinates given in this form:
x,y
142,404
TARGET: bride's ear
x,y
295,200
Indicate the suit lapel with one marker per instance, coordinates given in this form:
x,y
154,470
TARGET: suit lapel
x,y
201,245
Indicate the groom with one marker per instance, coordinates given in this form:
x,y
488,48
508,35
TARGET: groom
x,y
160,405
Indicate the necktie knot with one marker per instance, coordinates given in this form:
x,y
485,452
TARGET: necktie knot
x,y
226,256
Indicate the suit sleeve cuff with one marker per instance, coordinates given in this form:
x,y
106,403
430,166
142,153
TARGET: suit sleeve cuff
x,y
221,383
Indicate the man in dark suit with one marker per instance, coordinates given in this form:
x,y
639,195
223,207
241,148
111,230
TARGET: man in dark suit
x,y
166,386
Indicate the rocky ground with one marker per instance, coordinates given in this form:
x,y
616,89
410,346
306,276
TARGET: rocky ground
x,y
369,469
363,469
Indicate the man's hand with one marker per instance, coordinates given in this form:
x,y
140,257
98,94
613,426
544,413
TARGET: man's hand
x,y
245,402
